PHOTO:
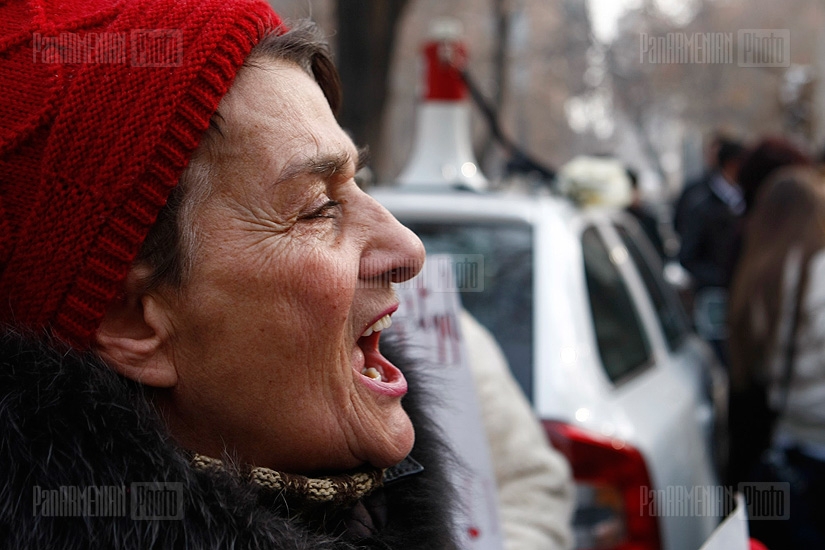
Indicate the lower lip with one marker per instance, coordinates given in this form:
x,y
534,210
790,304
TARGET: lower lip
x,y
392,384
396,388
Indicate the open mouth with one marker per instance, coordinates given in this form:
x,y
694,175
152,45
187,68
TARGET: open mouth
x,y
377,372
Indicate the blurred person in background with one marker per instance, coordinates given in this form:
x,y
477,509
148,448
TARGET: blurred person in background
x,y
710,218
643,214
694,187
709,236
777,344
750,418
535,487
192,292
761,160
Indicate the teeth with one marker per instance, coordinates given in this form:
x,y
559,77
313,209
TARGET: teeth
x,y
379,325
372,373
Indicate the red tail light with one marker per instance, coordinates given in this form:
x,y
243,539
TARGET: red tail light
x,y
611,476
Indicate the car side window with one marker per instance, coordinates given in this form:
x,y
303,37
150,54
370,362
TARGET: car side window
x,y
622,342
668,310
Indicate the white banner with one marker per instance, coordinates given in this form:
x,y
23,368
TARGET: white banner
x,y
732,533
428,320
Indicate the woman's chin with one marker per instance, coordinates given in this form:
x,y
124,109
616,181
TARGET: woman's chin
x,y
393,444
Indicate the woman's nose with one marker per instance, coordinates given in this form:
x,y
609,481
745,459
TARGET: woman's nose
x,y
394,253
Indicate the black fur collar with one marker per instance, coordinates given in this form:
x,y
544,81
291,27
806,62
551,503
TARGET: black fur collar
x,y
69,421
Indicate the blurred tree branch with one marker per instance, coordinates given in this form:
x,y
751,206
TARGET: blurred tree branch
x,y
365,42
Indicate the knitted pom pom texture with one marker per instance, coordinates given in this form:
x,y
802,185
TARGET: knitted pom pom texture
x,y
103,103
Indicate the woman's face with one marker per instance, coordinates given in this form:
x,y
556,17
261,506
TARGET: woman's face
x,y
292,268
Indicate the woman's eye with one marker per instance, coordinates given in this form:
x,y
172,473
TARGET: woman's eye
x,y
327,210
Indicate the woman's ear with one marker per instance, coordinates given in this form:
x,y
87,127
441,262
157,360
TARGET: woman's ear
x,y
134,335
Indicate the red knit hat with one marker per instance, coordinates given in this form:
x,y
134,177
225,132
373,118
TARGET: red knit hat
x,y
103,103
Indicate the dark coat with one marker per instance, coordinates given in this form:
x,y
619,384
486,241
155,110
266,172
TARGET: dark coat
x,y
710,234
68,420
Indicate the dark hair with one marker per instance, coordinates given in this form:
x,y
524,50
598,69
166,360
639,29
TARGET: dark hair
x,y
169,247
760,161
727,151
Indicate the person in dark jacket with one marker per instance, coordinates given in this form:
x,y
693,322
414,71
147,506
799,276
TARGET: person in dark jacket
x,y
192,292
711,215
709,229
693,186
643,215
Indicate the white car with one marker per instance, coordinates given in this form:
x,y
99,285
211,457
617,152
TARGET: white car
x,y
600,345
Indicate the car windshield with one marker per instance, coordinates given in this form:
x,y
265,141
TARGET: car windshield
x,y
503,301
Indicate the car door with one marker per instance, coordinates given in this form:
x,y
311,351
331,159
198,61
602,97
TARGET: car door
x,y
683,347
651,388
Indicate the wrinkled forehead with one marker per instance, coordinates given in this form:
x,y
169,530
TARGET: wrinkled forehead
x,y
275,115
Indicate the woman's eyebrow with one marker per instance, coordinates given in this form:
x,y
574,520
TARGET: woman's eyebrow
x,y
325,166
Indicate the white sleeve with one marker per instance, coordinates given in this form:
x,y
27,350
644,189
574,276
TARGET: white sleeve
x,y
535,488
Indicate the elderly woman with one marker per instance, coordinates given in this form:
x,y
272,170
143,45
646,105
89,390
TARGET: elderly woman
x,y
193,290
